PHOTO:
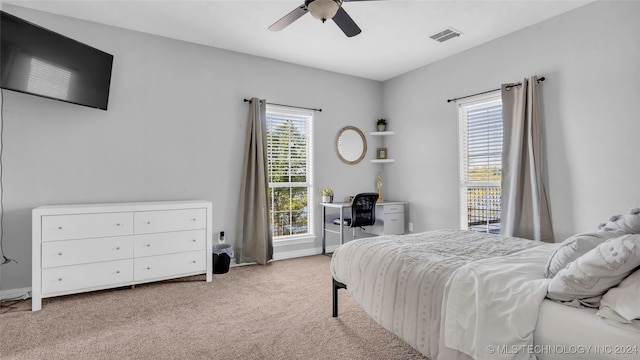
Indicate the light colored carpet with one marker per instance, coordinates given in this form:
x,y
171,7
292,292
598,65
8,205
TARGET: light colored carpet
x,y
278,311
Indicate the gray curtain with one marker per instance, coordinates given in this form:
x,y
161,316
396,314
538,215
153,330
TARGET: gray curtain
x,y
254,242
525,212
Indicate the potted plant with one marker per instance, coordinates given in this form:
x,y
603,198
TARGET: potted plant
x,y
382,124
327,195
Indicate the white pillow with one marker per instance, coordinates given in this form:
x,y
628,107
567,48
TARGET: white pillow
x,y
629,223
595,272
622,303
574,247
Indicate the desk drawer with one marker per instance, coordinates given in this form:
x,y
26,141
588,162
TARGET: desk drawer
x,y
392,208
171,242
87,276
147,222
173,265
73,252
81,226
393,223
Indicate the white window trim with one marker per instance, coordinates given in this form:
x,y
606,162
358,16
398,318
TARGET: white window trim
x,y
463,183
310,235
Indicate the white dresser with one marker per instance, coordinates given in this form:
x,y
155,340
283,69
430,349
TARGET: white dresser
x,y
78,248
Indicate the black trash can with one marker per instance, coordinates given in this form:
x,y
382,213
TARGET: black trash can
x,y
222,254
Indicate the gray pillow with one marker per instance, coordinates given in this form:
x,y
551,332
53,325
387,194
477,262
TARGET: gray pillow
x,y
574,247
592,274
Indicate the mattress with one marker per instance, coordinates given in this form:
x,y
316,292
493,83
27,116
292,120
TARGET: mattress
x,y
580,334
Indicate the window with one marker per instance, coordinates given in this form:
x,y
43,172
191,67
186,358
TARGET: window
x,y
49,80
289,144
480,152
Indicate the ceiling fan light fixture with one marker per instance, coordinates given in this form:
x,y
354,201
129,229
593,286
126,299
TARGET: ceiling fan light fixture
x,y
324,9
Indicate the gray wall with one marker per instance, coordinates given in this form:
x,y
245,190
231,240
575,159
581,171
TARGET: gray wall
x,y
591,59
175,129
176,121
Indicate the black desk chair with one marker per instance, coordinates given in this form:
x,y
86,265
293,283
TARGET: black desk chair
x,y
363,212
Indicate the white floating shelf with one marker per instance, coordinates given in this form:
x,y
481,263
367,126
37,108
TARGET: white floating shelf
x,y
381,161
381,133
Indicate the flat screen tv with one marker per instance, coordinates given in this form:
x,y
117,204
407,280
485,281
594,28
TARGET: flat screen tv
x,y
37,61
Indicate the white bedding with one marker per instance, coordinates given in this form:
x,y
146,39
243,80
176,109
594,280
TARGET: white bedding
x,y
400,280
499,318
486,292
507,316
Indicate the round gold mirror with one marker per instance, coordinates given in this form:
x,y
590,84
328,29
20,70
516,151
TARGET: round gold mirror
x,y
351,145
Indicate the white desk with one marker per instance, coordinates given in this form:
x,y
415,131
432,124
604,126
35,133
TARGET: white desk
x,y
389,220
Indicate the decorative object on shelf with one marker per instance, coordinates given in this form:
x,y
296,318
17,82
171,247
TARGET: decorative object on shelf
x,y
327,195
379,183
382,156
382,124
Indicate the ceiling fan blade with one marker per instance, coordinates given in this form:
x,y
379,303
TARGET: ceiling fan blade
x,y
346,23
289,18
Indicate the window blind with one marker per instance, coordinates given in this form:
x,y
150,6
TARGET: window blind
x,y
484,143
287,148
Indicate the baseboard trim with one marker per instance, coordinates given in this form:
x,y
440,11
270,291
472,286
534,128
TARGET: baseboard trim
x,y
283,255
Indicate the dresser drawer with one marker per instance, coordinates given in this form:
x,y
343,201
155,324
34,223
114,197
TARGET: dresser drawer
x,y
171,242
80,226
87,276
172,265
147,222
73,252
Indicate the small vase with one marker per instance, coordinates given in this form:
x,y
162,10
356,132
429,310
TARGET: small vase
x,y
382,127
326,198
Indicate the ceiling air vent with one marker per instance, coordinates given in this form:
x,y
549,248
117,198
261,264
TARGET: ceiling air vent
x,y
445,35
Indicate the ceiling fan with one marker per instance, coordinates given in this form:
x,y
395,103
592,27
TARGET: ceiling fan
x,y
323,10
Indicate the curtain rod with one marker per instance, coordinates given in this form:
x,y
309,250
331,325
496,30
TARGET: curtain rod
x,y
488,91
291,106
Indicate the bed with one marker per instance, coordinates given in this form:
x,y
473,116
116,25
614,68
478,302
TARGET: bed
x,y
454,294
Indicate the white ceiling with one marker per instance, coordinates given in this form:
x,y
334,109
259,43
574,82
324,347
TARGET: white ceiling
x,y
394,39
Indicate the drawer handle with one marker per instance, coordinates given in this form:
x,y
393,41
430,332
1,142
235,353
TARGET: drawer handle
x,y
193,261
194,240
59,279
117,271
148,268
118,248
148,245
393,219
59,227
117,224
148,222
59,254
193,219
